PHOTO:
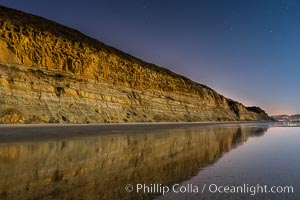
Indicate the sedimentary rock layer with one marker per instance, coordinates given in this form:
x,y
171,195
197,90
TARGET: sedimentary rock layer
x,y
51,73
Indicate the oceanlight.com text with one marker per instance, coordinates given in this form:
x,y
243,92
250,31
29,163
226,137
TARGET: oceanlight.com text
x,y
211,188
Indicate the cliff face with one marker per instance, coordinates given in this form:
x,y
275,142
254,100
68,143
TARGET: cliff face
x,y
51,73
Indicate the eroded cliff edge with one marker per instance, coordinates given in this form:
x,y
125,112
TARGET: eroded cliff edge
x,y
51,73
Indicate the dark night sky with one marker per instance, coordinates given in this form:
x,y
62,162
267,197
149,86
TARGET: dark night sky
x,y
246,50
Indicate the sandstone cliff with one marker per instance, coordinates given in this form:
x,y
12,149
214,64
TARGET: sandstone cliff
x,y
51,73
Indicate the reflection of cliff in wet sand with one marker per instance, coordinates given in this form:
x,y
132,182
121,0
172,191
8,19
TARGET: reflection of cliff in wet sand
x,y
99,167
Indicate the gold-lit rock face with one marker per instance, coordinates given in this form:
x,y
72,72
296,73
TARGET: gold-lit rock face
x,y
51,73
99,167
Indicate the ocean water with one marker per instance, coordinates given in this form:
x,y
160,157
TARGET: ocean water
x,y
212,161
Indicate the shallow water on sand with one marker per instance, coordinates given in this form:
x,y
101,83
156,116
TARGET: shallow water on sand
x,y
99,163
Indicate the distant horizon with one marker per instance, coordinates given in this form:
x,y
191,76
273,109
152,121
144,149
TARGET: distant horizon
x,y
245,51
286,114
